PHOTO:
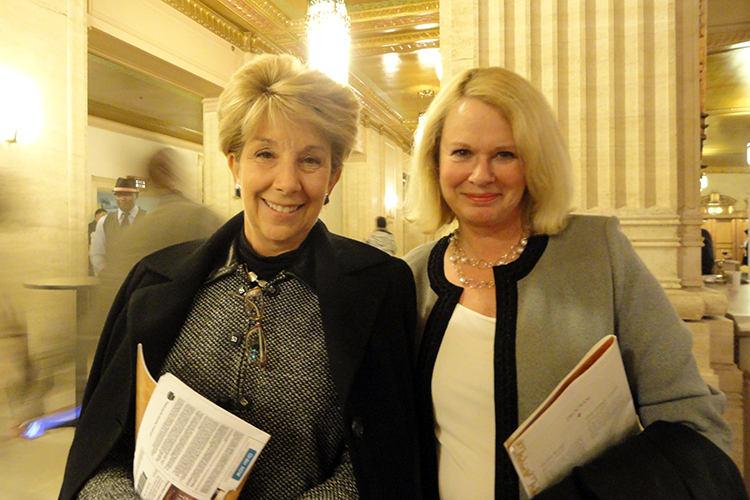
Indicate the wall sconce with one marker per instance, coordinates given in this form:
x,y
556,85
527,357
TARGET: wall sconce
x,y
21,108
391,200
748,153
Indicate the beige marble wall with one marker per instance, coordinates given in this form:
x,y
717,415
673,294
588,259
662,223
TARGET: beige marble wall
x,y
367,178
43,175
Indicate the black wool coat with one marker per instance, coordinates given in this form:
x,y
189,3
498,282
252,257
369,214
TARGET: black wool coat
x,y
367,301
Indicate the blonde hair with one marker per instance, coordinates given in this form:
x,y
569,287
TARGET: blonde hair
x,y
549,186
277,89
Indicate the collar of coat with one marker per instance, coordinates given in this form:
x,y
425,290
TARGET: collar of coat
x,y
352,280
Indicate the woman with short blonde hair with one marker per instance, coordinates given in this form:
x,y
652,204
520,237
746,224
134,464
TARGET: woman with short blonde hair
x,y
279,89
305,334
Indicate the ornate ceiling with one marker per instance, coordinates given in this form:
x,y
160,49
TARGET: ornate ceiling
x,y
392,58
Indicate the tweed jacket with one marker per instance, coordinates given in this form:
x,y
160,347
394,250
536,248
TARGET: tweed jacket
x,y
367,308
561,296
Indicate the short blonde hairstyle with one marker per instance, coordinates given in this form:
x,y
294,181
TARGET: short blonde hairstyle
x,y
549,186
278,89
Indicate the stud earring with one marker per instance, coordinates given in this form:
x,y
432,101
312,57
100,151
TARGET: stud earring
x,y
237,191
327,200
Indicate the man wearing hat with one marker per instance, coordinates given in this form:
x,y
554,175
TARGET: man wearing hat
x,y
111,226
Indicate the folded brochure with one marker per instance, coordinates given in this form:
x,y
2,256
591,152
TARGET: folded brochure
x,y
187,447
590,410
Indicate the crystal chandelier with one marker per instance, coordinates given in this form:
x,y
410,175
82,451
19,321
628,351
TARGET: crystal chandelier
x,y
328,36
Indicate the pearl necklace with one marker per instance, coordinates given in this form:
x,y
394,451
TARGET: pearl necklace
x,y
459,258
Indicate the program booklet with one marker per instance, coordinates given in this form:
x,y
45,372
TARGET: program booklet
x,y
590,410
188,448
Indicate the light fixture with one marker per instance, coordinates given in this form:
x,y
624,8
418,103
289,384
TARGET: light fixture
x,y
328,36
390,201
748,153
20,107
704,182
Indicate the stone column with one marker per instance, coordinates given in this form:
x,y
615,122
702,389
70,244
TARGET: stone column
x,y
623,79
218,186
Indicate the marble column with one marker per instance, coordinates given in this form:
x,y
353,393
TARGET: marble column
x,y
623,79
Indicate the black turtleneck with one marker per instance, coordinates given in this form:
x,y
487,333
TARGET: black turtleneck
x,y
297,262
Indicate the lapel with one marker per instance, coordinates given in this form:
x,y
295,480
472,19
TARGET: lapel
x,y
351,284
157,311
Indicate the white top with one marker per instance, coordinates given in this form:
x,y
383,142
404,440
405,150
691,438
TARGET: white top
x,y
464,404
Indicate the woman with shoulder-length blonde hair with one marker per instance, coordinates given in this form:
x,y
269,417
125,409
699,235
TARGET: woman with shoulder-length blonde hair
x,y
302,333
510,301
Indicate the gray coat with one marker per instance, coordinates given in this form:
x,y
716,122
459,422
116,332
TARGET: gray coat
x,y
569,291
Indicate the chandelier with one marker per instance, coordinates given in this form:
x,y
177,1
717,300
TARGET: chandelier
x,y
328,36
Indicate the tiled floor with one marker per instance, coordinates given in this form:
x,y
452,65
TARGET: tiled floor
x,y
32,469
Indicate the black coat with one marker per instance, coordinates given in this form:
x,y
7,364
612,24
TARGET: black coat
x,y
367,301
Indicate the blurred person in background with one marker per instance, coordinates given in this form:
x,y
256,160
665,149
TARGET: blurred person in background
x,y
21,389
98,214
176,219
382,238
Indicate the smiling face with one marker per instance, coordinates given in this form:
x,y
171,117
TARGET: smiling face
x,y
125,201
284,173
481,175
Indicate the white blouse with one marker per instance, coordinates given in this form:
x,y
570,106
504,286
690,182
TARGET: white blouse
x,y
464,404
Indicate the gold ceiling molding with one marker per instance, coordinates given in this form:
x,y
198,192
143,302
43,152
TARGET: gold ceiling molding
x,y
370,122
729,111
722,36
208,19
246,41
395,13
727,170
396,43
266,18
398,16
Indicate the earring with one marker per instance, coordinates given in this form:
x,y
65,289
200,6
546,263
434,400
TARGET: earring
x,y
237,191
327,200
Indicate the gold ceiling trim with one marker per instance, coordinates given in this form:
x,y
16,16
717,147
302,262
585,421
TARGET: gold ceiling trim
x,y
248,42
729,111
397,39
399,16
396,12
407,42
723,36
727,170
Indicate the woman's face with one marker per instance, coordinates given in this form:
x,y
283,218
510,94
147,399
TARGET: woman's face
x,y
284,173
481,175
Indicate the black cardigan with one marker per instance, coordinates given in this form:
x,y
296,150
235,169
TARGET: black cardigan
x,y
367,301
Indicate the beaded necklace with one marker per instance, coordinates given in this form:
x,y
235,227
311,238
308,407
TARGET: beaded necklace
x,y
459,258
